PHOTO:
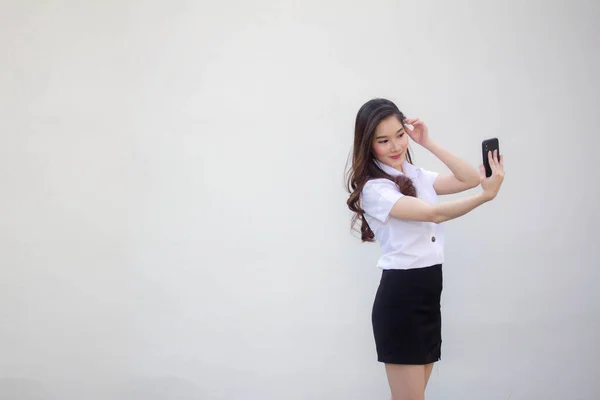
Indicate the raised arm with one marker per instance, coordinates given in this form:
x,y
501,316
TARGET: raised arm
x,y
462,177
412,208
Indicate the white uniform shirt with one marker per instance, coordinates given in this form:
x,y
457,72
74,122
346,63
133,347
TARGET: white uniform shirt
x,y
405,244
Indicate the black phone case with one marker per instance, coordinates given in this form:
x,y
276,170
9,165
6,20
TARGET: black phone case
x,y
489,145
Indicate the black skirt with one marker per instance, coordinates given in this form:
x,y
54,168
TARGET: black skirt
x,y
406,317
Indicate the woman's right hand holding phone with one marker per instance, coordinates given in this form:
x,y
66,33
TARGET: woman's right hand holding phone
x,y
491,185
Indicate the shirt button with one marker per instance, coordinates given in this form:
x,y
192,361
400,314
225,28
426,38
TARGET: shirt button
x,y
433,238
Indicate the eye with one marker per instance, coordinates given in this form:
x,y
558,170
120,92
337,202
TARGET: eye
x,y
400,135
383,142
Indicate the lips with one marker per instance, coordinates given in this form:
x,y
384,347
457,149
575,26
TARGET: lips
x,y
397,157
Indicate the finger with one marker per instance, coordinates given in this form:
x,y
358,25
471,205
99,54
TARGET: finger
x,y
496,163
491,161
482,171
413,121
502,162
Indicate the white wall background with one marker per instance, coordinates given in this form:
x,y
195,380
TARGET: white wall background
x,y
172,215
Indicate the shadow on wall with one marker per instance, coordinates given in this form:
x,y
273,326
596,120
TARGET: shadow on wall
x,y
159,388
24,389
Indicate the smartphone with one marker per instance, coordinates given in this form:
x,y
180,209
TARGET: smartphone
x,y
486,146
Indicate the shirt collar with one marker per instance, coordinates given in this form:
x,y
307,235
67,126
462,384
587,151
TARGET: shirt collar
x,y
408,168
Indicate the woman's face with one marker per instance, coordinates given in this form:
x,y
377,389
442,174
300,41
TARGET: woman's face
x,y
390,142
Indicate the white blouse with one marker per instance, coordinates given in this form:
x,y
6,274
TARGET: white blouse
x,y
405,244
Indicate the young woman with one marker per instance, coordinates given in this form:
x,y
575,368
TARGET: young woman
x,y
396,204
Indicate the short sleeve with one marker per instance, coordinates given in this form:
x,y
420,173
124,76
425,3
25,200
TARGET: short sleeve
x,y
428,177
378,198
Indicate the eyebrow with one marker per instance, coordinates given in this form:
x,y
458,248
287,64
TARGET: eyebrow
x,y
384,136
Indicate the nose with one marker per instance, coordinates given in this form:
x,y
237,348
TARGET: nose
x,y
396,145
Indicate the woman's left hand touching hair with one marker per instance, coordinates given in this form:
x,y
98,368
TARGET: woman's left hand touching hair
x,y
419,132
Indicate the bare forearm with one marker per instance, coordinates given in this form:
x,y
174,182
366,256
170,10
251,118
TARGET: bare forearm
x,y
457,208
415,209
460,168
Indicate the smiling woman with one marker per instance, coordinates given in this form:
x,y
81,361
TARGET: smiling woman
x,y
391,142
397,204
